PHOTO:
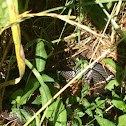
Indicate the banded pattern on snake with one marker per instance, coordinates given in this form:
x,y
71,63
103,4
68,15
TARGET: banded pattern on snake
x,y
93,75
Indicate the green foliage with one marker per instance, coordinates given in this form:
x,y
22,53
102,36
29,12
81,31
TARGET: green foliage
x,y
121,121
60,114
118,102
103,122
77,108
83,64
4,13
40,56
110,86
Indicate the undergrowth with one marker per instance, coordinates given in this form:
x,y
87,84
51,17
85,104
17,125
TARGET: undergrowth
x,y
87,25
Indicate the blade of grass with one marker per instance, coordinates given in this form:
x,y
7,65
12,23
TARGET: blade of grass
x,y
114,24
13,12
65,18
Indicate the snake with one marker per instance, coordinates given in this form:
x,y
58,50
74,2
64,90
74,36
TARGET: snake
x,y
97,75
5,115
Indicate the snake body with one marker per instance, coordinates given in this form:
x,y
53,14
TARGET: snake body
x,y
14,117
93,75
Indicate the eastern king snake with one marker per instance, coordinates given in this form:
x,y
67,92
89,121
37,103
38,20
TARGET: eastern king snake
x,y
96,74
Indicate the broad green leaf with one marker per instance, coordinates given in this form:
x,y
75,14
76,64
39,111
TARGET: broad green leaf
x,y
84,91
89,112
44,90
86,104
27,116
40,56
60,114
121,121
47,78
4,13
13,13
100,103
99,112
93,106
74,125
45,97
115,66
117,102
32,85
37,101
112,64
79,112
111,84
103,122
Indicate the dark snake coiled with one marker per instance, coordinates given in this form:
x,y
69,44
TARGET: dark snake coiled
x,y
93,76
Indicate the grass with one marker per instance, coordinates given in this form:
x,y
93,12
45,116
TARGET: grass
x,y
77,21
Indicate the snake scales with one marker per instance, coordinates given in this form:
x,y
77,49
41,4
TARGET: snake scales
x,y
97,76
14,117
93,76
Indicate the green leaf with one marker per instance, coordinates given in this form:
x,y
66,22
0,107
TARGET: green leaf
x,y
27,116
111,63
86,104
83,63
32,85
100,103
40,56
115,66
29,44
72,100
37,101
84,91
121,121
78,121
44,90
60,114
79,112
4,13
37,120
111,84
117,102
89,112
99,112
103,122
45,97
74,125
16,96
47,78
